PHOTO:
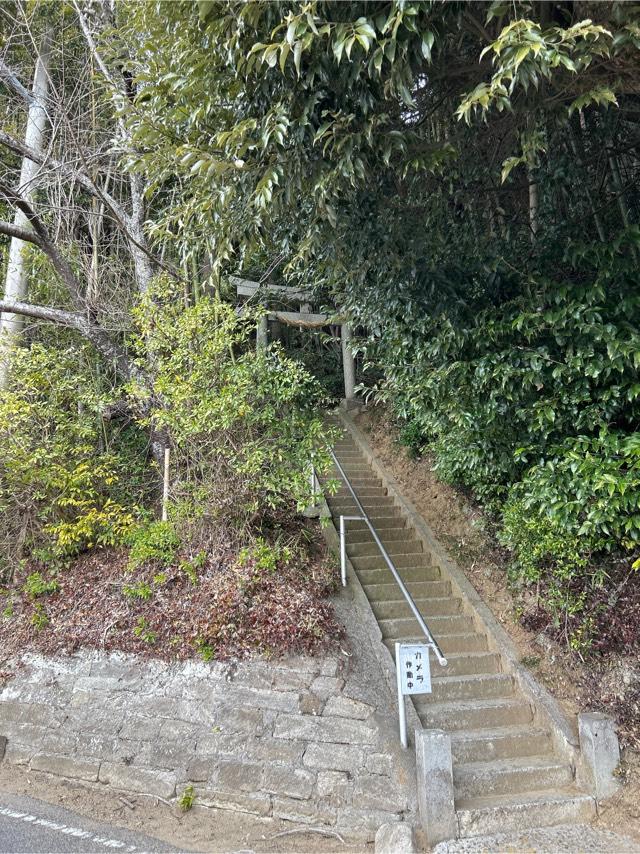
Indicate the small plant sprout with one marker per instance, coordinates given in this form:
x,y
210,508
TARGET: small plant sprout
x,y
187,799
143,631
39,618
141,590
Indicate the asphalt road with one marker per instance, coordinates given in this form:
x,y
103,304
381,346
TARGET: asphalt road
x,y
29,826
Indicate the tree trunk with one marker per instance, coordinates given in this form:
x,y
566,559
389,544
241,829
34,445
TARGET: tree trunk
x,y
15,289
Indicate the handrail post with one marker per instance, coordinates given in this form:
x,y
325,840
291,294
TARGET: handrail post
x,y
343,553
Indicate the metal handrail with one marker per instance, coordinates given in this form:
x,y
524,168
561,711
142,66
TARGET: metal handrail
x,y
365,518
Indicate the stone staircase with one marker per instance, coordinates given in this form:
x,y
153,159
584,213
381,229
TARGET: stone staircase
x,y
507,772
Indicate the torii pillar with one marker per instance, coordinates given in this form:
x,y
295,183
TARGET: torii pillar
x,y
349,369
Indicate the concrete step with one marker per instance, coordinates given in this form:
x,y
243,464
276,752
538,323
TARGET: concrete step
x,y
401,562
388,535
356,481
441,606
446,689
465,664
380,586
449,644
486,745
497,814
458,664
345,505
383,507
472,714
381,522
351,471
438,626
395,548
382,577
508,776
361,492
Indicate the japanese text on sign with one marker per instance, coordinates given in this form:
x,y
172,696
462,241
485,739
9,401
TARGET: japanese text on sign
x,y
413,664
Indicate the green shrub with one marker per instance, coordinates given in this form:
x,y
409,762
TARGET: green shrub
x,y
568,511
154,543
588,487
244,426
35,585
264,556
63,484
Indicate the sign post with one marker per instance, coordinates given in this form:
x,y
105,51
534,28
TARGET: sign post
x,y
413,675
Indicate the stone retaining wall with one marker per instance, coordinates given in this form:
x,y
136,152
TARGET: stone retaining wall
x,y
310,740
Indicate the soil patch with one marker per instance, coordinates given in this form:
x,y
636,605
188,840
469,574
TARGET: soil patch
x,y
604,683
200,829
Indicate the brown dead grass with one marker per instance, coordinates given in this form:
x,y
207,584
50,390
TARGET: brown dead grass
x,y
234,610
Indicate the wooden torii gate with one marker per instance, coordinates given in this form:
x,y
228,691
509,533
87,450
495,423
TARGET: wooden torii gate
x,y
304,318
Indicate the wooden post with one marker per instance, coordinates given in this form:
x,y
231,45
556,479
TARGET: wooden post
x,y
165,486
262,334
348,364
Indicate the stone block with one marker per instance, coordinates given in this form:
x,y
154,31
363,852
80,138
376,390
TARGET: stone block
x,y
333,757
325,686
168,755
222,743
435,785
3,747
314,666
93,685
267,749
200,770
237,776
107,746
132,779
600,753
325,729
310,704
353,818
380,763
334,788
183,730
139,728
28,713
305,812
26,734
104,720
66,766
373,792
280,701
59,741
255,803
395,838
343,707
286,680
232,719
18,754
283,780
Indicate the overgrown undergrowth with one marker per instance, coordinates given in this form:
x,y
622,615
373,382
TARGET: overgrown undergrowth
x,y
222,605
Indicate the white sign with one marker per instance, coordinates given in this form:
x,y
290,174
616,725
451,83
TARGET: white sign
x,y
413,669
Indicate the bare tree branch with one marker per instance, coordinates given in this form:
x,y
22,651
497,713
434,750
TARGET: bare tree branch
x,y
25,234
100,339
69,171
44,312
60,264
11,79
